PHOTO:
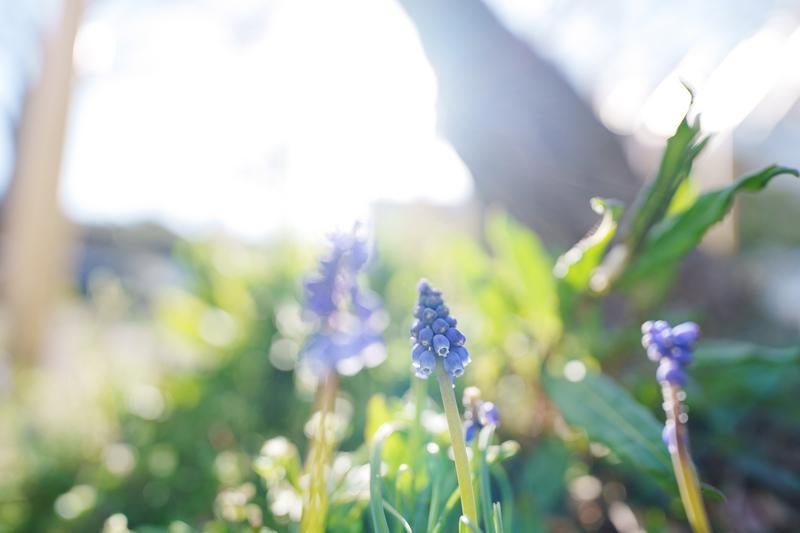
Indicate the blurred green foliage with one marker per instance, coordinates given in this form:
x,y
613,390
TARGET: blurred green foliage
x,y
212,433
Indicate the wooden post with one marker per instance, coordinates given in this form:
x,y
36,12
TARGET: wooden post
x,y
35,229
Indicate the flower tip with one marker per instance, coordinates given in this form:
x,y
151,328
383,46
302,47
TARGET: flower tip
x,y
423,286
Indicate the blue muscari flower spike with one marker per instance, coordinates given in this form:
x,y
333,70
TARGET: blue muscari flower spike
x,y
671,347
348,333
435,337
477,413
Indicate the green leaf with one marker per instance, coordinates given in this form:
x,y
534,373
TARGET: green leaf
x,y
609,415
484,483
376,503
778,477
716,352
378,414
506,496
400,518
441,484
654,199
465,525
497,517
685,196
735,377
712,493
575,267
677,235
524,267
449,508
543,476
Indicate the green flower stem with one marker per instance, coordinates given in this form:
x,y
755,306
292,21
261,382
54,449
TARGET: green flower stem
x,y
468,507
414,458
415,435
315,506
685,473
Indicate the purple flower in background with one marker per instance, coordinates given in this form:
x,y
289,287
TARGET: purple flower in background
x,y
435,337
477,413
671,347
348,316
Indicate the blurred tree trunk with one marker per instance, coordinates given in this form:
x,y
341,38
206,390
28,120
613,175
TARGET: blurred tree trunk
x,y
532,144
34,243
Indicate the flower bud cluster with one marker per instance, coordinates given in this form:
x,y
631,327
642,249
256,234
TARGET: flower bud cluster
x,y
434,335
671,347
348,332
477,413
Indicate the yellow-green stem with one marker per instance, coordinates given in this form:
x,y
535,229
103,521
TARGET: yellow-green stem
x,y
688,483
315,506
468,507
415,435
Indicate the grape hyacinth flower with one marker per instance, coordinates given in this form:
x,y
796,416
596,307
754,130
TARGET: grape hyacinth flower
x,y
673,349
439,348
347,316
346,338
436,339
477,413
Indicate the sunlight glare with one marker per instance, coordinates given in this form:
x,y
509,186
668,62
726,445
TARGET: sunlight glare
x,y
302,128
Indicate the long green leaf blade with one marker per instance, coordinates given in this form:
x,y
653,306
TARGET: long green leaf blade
x,y
376,502
611,416
497,517
713,353
466,525
400,518
575,267
449,507
484,482
654,199
525,269
676,236
506,495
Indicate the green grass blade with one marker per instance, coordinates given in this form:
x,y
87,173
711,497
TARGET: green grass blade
x,y
497,517
485,486
395,513
506,494
448,510
436,491
376,502
465,524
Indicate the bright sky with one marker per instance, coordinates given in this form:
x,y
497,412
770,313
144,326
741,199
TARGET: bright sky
x,y
253,116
